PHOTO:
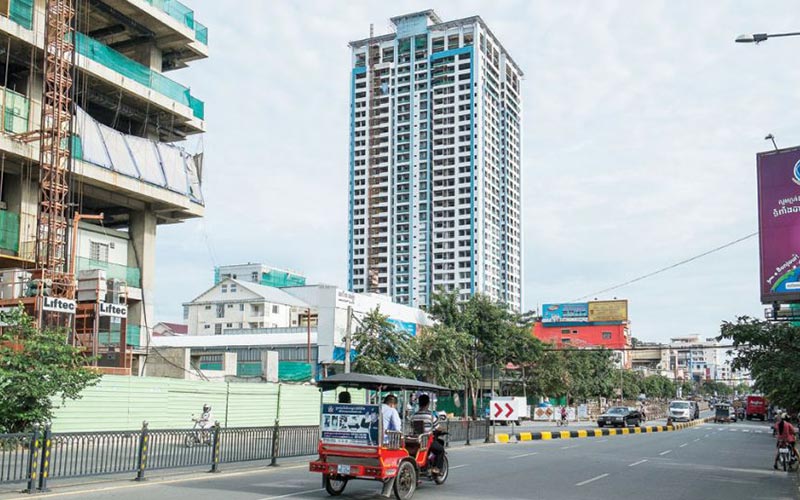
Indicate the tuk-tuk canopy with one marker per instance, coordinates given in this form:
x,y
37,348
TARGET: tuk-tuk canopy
x,y
377,382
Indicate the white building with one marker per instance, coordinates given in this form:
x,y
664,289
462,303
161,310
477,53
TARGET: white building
x,y
234,305
259,273
435,163
694,358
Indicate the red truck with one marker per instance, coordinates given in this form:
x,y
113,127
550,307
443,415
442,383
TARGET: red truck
x,y
756,407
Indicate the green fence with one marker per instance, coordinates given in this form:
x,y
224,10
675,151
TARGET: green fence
x,y
131,275
21,12
185,15
9,231
129,68
201,33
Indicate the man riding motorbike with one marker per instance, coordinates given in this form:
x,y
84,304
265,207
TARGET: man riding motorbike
x,y
785,434
429,421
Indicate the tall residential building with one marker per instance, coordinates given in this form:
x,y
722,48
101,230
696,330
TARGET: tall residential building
x,y
435,162
126,175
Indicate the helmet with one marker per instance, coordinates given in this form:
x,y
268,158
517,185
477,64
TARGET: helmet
x,y
784,416
206,407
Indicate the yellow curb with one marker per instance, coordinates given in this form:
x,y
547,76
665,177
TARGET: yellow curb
x,y
582,434
670,427
525,436
637,430
501,438
612,432
547,435
625,430
649,428
598,433
565,435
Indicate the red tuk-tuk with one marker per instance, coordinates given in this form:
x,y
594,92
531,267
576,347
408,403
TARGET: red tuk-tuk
x,y
353,444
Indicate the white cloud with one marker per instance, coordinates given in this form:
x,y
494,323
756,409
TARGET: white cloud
x,y
642,120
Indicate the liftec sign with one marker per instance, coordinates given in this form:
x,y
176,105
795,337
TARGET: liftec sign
x,y
56,304
113,310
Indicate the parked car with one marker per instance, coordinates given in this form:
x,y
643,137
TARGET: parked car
x,y
620,416
681,411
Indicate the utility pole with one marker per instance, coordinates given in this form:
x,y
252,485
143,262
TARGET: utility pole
x,y
347,335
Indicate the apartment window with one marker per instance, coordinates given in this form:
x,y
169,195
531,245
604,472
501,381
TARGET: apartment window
x,y
206,327
208,308
224,288
228,325
233,288
254,277
220,310
565,331
241,307
218,329
606,335
98,251
274,309
185,312
566,341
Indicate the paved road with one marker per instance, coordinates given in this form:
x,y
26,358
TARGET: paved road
x,y
730,462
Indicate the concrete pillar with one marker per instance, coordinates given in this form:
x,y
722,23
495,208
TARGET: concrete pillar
x,y
149,55
142,254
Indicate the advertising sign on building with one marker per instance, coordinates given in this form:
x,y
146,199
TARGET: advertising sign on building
x,y
565,313
779,224
57,304
113,310
350,424
608,310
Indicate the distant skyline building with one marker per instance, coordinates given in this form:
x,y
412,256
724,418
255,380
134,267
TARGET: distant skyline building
x,y
435,163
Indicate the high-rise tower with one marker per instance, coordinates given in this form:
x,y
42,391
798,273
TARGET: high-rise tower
x,y
435,162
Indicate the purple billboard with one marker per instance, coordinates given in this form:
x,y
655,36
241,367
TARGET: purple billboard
x,y
779,224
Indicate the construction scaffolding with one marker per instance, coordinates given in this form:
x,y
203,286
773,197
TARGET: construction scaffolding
x,y
373,192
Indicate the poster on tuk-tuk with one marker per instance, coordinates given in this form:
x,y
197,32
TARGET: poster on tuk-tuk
x,y
350,424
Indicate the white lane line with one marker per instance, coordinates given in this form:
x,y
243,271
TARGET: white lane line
x,y
294,494
569,447
525,455
684,444
634,464
705,436
601,476
696,440
665,452
745,430
459,466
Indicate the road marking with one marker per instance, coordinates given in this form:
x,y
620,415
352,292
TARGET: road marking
x,y
634,464
458,466
601,476
293,494
705,436
696,440
525,455
745,430
684,444
569,447
665,452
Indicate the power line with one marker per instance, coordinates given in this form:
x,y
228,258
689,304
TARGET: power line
x,y
673,266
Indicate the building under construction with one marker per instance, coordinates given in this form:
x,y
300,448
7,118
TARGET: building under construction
x,y
88,162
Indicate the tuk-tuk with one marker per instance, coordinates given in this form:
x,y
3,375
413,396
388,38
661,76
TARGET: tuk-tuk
x,y
354,445
723,412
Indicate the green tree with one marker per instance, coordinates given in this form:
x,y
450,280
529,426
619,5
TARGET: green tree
x,y
36,367
771,352
382,348
443,357
658,386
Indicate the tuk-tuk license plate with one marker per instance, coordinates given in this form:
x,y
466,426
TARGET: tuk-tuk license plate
x,y
783,450
342,469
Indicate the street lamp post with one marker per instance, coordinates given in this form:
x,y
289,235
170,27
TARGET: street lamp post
x,y
760,37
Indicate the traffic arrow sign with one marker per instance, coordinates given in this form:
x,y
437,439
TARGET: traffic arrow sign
x,y
497,410
510,410
505,409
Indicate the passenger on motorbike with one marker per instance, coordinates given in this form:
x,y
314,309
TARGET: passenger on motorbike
x,y
427,417
785,433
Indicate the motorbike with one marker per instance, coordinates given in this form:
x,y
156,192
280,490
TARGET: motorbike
x,y
198,436
786,459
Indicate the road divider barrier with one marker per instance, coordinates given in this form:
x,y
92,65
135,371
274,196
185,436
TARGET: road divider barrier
x,y
587,433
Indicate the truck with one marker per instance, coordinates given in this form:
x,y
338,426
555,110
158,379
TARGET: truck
x,y
755,407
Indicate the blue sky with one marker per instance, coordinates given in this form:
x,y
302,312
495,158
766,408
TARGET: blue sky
x,y
642,120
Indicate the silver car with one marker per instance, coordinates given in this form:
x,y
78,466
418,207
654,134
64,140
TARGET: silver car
x,y
681,411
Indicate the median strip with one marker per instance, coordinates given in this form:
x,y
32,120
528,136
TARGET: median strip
x,y
587,433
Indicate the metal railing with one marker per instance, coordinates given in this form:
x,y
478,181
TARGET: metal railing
x,y
41,454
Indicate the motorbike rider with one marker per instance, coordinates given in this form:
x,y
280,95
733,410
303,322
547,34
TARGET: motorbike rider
x,y
563,415
785,433
206,420
426,416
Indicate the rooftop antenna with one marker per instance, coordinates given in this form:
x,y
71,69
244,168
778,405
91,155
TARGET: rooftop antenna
x,y
771,137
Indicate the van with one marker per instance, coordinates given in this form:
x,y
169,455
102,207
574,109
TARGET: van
x,y
681,411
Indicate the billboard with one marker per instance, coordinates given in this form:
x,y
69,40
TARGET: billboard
x,y
608,310
779,224
350,424
565,313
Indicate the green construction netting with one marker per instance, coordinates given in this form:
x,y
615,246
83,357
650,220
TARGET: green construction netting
x,y
131,275
129,68
176,10
293,371
201,33
111,337
280,279
21,12
17,109
9,231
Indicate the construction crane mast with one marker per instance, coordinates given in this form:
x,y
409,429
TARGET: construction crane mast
x,y
54,157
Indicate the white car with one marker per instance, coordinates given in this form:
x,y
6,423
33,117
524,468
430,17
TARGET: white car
x,y
681,411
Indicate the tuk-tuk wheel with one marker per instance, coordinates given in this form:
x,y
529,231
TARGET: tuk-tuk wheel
x,y
441,477
405,483
334,485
